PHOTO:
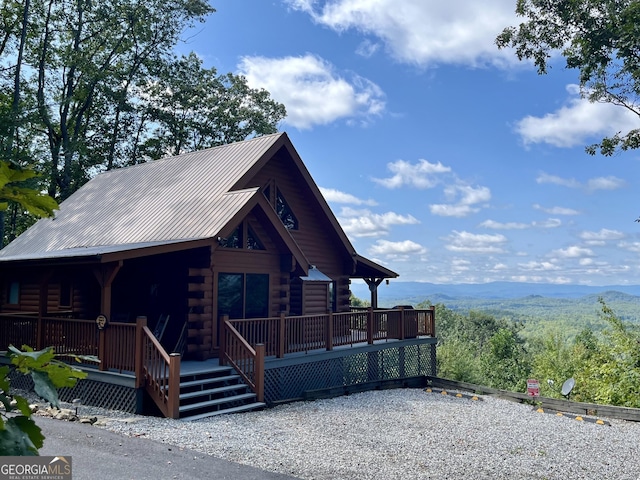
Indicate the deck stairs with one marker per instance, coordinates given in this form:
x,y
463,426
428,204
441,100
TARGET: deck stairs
x,y
214,390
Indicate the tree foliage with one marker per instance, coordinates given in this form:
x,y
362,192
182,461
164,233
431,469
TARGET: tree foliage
x,y
599,38
97,85
478,348
19,434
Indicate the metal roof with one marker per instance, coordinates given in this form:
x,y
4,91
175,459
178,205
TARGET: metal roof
x,y
175,199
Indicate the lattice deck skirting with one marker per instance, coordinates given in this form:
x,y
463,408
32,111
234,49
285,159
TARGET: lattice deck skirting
x,y
90,391
289,378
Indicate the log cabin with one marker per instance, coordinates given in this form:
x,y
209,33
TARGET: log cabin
x,y
210,282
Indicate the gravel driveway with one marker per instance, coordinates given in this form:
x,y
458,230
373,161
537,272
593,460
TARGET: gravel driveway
x,y
403,434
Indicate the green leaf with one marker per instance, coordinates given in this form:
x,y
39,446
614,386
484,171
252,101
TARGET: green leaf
x,y
29,359
6,402
4,378
23,405
45,388
20,436
62,375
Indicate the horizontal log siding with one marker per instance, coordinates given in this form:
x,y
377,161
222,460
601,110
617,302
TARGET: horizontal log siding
x,y
316,298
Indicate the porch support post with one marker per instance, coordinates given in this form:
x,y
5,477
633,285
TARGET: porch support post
x,y
281,335
42,309
370,325
329,330
259,372
105,276
141,322
433,321
223,340
373,288
173,400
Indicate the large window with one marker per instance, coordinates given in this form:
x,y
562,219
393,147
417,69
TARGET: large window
x,y
243,295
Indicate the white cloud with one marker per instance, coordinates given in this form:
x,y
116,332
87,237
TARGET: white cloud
x,y
593,184
336,196
492,224
364,223
403,249
576,122
600,238
422,174
538,266
573,252
464,200
631,247
475,243
312,92
554,179
367,48
548,223
423,32
605,183
556,210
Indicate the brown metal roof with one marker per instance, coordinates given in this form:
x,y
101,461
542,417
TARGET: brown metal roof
x,y
178,198
173,201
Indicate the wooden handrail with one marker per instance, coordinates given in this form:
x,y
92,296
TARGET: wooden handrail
x,y
159,372
248,361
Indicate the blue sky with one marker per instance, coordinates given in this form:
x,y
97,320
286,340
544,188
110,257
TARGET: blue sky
x,y
443,158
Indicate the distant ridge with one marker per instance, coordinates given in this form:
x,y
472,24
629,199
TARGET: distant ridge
x,y
419,291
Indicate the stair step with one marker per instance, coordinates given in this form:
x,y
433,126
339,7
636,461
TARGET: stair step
x,y
218,401
241,408
211,391
193,383
206,371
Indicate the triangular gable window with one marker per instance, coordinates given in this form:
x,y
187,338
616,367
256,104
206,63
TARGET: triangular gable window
x,y
253,242
284,212
235,239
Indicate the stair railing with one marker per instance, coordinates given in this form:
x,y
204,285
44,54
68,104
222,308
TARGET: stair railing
x,y
248,361
157,370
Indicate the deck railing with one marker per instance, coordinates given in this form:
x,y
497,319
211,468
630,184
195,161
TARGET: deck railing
x,y
114,345
158,371
290,334
245,342
246,359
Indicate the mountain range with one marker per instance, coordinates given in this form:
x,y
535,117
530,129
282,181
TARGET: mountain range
x,y
416,292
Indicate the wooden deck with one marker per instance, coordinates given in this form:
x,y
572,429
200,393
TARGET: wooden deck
x,y
359,346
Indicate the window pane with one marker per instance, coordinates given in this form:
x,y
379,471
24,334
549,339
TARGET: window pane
x,y
14,293
284,212
233,241
230,290
65,293
257,303
253,242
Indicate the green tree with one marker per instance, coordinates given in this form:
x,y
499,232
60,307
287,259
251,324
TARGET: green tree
x,y
599,38
554,359
357,302
192,108
505,362
19,434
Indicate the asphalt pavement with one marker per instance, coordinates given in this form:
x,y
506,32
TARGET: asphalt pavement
x,y
98,454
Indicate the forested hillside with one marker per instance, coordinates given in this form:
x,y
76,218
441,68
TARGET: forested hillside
x,y
503,342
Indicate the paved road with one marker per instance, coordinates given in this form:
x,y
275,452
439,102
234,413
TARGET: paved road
x,y
98,454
